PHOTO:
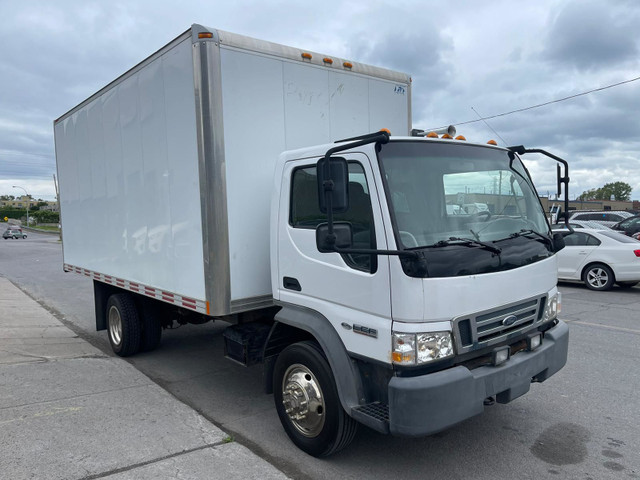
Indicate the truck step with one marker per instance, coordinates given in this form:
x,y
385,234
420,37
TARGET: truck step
x,y
374,415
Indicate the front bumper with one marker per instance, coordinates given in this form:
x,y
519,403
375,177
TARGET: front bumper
x,y
431,403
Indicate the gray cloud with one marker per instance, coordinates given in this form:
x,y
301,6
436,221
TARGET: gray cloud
x,y
592,35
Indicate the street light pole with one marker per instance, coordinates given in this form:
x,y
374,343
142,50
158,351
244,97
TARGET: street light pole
x,y
26,195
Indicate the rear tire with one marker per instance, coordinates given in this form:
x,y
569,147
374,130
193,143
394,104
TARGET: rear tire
x,y
598,277
123,324
307,401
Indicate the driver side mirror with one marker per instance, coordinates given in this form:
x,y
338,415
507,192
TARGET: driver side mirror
x,y
333,184
342,237
558,241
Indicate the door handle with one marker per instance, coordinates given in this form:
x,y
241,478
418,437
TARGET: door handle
x,y
291,283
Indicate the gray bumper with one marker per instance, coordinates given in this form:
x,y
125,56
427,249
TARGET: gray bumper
x,y
431,403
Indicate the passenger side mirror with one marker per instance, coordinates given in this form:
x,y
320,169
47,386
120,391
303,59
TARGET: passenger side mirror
x,y
342,237
558,241
333,185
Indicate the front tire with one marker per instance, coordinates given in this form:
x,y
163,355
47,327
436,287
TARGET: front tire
x,y
123,325
307,401
598,277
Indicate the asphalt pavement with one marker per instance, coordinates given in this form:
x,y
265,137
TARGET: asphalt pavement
x,y
69,411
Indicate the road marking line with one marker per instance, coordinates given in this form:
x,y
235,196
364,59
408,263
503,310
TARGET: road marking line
x,y
608,327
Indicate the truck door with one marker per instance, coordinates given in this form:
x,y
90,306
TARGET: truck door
x,y
351,291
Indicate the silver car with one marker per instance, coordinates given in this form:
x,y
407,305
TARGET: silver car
x,y
13,233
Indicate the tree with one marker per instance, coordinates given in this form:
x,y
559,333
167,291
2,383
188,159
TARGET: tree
x,y
620,191
46,216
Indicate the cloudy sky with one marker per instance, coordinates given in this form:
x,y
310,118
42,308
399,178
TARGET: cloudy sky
x,y
467,59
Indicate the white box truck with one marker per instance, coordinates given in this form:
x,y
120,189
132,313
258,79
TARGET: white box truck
x,y
202,184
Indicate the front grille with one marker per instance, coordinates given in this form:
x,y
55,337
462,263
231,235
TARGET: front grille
x,y
486,328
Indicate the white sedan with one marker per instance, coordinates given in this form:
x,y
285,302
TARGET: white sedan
x,y
600,258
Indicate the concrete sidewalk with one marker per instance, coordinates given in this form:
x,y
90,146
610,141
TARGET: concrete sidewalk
x,y
68,411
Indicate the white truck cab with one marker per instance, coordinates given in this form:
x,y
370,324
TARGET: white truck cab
x,y
445,309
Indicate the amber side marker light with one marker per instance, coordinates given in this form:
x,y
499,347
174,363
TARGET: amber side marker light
x,y
492,142
205,35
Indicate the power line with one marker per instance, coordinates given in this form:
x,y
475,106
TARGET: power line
x,y
487,124
545,103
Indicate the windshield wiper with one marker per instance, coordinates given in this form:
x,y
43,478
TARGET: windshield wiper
x,y
524,232
466,242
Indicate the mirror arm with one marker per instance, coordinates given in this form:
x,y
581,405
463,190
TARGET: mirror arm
x,y
328,185
520,150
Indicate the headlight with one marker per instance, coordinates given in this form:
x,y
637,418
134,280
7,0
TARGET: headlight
x,y
420,348
553,307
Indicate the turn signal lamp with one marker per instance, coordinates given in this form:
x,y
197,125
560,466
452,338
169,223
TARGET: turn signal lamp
x,y
461,137
205,35
432,135
306,56
492,142
446,135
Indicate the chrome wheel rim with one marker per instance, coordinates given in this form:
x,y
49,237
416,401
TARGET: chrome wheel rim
x,y
303,400
597,277
115,325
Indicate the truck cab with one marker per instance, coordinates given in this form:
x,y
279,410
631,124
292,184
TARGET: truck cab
x,y
421,313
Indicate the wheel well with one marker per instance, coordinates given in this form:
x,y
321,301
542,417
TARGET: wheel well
x,y
280,337
101,294
588,266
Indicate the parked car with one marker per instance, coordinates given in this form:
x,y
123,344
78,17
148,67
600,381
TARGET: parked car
x,y
580,224
608,218
13,233
629,225
600,258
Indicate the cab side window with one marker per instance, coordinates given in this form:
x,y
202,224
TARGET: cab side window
x,y
305,212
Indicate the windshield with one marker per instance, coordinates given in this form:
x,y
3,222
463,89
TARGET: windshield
x,y
456,196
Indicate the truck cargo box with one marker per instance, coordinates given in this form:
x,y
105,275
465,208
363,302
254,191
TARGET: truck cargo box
x,y
166,173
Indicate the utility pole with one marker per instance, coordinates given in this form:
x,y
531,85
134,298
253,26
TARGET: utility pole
x,y
28,200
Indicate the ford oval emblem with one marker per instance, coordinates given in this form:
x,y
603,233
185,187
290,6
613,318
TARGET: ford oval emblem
x,y
510,320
